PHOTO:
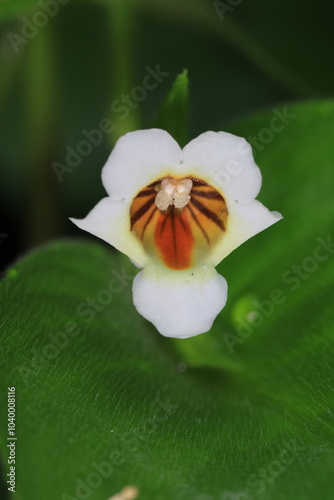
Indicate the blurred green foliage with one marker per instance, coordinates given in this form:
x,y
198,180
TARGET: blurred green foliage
x,y
66,64
75,75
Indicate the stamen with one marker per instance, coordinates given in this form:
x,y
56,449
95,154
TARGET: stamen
x,y
173,192
163,200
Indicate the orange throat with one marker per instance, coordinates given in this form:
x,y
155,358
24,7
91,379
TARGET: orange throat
x,y
179,236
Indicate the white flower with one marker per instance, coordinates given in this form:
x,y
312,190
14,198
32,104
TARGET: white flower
x,y
176,214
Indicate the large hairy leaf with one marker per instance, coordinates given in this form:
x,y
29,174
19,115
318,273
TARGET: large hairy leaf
x,y
242,412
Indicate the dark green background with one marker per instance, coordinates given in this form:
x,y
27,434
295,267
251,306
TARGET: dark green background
x,y
236,411
65,78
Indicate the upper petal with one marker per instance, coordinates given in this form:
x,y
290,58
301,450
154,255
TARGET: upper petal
x,y
226,162
110,221
179,303
138,159
244,221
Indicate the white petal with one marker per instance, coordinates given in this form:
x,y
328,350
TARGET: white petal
x,y
179,303
244,221
138,159
110,221
226,162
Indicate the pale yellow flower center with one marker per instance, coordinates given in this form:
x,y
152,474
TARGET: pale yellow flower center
x,y
173,192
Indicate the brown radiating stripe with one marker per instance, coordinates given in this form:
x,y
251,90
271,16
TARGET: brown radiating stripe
x,y
208,213
148,221
183,224
146,192
198,183
211,195
141,211
175,243
192,213
174,237
163,225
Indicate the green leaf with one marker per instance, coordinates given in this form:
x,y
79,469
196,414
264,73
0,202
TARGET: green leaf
x,y
174,113
242,412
